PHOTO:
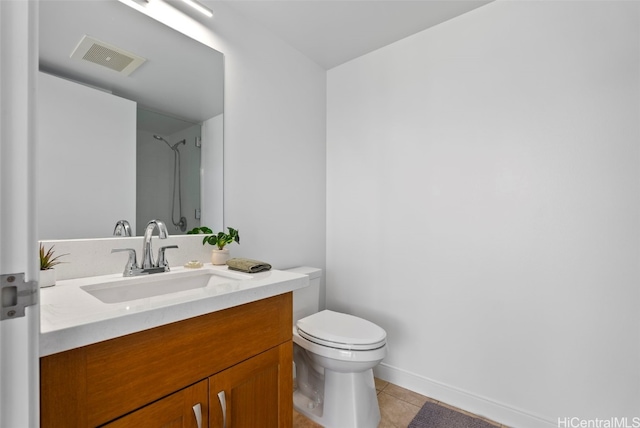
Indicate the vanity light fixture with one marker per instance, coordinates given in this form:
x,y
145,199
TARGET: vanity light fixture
x,y
199,7
193,3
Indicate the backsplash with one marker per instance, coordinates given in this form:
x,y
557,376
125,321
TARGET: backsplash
x,y
91,257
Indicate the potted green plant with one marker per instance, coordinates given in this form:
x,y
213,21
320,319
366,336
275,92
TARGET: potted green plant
x,y
47,263
219,255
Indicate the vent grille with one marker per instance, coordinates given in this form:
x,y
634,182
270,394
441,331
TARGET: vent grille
x,y
106,55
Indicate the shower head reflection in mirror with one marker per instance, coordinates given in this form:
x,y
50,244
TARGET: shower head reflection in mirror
x,y
181,223
174,147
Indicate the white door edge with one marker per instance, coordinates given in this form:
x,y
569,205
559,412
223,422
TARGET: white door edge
x,y
19,374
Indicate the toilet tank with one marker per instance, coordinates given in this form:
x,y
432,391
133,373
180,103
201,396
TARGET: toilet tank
x,y
306,301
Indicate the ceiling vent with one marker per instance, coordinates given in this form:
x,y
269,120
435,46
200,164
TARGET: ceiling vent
x,y
106,55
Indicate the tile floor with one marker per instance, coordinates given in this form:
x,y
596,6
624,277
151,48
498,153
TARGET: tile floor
x,y
398,407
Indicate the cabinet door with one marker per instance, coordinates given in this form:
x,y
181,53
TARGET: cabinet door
x,y
255,393
187,408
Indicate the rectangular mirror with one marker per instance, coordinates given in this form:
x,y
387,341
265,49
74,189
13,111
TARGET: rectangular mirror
x,y
130,123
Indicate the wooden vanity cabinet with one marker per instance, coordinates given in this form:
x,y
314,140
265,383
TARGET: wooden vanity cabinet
x,y
187,408
248,394
155,377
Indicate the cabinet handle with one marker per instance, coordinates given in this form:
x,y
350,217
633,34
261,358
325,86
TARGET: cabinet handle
x,y
197,412
223,404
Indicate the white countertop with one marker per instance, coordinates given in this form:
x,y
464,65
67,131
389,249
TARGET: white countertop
x,y
71,317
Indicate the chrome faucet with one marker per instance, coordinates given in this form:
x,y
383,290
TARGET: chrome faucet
x,y
147,255
148,265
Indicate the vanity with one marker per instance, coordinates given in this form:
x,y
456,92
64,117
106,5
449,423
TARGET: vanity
x,y
217,355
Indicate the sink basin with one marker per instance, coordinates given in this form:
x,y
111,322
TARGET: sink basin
x,y
122,289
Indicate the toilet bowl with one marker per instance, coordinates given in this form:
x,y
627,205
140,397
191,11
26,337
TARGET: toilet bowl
x,y
334,357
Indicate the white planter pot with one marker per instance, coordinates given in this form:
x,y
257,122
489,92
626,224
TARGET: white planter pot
x,y
219,257
47,278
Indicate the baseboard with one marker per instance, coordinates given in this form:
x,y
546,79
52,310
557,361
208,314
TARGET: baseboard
x,y
465,400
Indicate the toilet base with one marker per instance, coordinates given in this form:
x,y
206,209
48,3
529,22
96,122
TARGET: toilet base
x,y
349,400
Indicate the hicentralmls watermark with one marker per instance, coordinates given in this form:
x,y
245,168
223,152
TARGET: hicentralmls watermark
x,y
575,422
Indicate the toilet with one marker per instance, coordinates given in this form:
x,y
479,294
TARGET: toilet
x,y
334,355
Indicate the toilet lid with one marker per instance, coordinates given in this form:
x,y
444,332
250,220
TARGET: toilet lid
x,y
342,331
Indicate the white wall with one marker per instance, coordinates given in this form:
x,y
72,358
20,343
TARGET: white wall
x,y
84,136
483,206
274,145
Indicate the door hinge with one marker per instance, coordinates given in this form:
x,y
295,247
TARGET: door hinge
x,y
15,295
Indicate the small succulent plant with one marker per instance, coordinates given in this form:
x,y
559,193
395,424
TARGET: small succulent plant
x,y
219,239
47,259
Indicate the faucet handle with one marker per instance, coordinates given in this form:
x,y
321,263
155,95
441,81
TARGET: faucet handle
x,y
132,263
162,261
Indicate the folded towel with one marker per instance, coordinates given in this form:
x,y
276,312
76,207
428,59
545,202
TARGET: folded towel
x,y
248,265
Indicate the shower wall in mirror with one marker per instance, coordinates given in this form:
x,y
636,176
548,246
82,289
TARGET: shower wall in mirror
x,y
170,161
125,145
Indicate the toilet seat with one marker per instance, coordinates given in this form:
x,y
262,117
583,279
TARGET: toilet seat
x,y
341,331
